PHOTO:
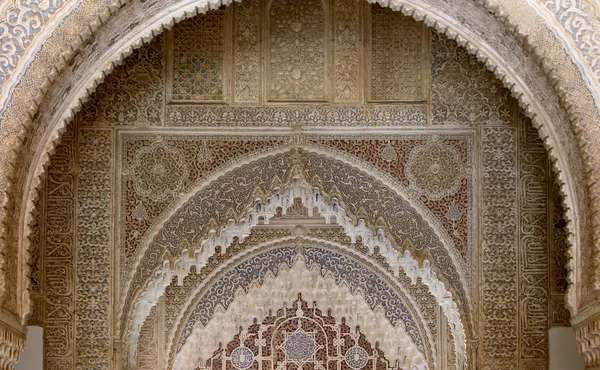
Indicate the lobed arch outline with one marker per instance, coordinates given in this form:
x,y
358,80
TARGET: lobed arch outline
x,y
283,295
376,174
247,307
311,197
438,21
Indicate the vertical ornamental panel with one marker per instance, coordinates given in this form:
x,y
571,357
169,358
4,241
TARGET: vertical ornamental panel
x,y
247,51
296,55
499,247
93,307
533,249
398,57
347,50
58,230
197,58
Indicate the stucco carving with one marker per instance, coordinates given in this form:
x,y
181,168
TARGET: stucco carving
x,y
454,214
262,212
277,291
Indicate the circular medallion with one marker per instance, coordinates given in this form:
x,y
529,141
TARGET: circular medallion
x,y
242,358
435,170
159,170
356,357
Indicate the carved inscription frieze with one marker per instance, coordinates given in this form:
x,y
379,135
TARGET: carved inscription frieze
x,y
534,248
58,249
372,115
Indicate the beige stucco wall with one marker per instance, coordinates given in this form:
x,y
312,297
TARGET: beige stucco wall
x,y
33,355
563,350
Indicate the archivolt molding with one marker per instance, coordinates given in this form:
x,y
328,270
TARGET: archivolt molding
x,y
262,212
280,291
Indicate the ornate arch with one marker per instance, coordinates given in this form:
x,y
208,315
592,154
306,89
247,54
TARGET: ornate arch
x,y
282,289
441,18
577,103
178,259
402,310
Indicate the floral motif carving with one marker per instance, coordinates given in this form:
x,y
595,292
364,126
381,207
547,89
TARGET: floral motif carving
x,y
159,171
435,170
296,56
581,20
499,231
93,333
197,54
20,22
347,47
391,153
202,155
133,94
247,51
397,56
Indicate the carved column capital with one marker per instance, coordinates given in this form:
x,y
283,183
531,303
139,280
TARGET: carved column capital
x,y
12,343
587,334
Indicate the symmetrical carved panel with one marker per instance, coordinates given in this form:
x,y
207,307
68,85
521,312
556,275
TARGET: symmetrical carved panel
x,y
296,57
398,57
93,335
247,51
265,265
197,58
282,53
300,336
347,50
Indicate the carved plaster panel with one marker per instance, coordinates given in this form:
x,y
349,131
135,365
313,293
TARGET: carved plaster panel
x,y
298,51
197,64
